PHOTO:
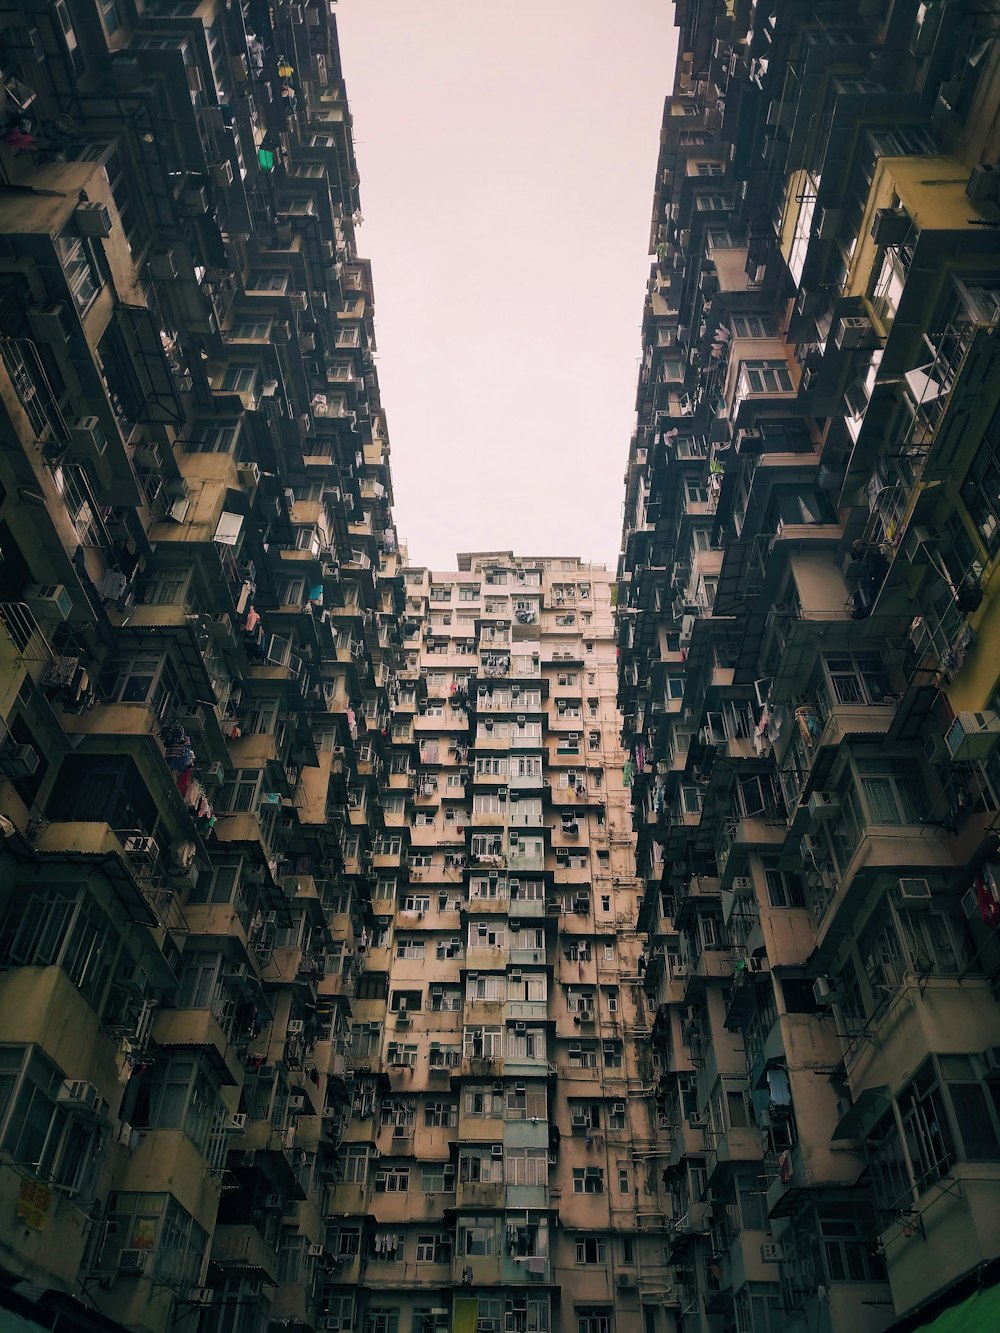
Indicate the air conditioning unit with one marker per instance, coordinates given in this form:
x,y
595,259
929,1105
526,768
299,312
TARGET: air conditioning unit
x,y
296,1026
852,331
991,1059
824,991
88,437
17,761
273,1201
770,1252
238,1121
810,848
81,1096
48,323
984,184
297,1101
222,174
315,1251
973,735
49,599
678,971
134,976
496,1150
890,226
134,1261
249,474
913,889
586,1015
299,301
141,849
823,805
92,219
202,1295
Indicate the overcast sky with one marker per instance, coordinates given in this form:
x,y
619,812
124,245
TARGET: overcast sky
x,y
507,151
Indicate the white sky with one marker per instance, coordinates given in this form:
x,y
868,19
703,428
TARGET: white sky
x,y
507,151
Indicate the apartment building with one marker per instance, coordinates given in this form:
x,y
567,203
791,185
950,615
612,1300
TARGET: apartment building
x,y
807,619
500,1172
200,593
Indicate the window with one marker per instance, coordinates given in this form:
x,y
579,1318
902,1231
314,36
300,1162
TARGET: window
x,y
765,377
178,1093
588,1180
591,1250
82,274
38,1130
380,1319
713,203
594,1320
612,1054
438,1178
724,238
527,1166
392,1180
433,1249
250,330
483,1043
752,326
157,1225
62,926
267,280
478,1236
239,378
981,489
784,889
583,1055
386,1246
440,1115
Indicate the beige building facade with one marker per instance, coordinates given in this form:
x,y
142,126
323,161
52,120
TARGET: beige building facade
x,y
501,1163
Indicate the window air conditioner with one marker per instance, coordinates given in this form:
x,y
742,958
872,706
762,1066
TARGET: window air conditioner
x,y
49,599
18,761
890,226
973,735
81,1096
92,219
48,323
134,1261
238,1121
296,1026
914,890
851,332
315,1251
823,805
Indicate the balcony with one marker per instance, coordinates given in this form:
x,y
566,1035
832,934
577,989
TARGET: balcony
x,y
242,1250
730,1150
480,1194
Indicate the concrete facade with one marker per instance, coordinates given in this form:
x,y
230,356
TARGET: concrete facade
x,y
809,659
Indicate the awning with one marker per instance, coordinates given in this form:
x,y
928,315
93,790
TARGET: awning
x,y
856,1122
976,1313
